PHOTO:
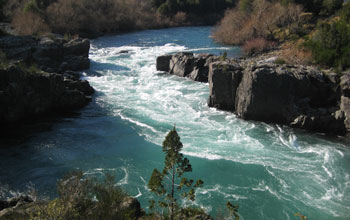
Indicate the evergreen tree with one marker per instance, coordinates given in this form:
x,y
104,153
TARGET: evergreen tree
x,y
169,183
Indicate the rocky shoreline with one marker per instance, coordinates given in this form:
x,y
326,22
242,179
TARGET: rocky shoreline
x,y
38,77
260,90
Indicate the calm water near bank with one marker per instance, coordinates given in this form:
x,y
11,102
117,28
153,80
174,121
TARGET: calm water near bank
x,y
271,171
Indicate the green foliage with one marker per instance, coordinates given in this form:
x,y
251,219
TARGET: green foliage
x,y
331,44
331,6
246,6
86,198
324,7
224,56
3,59
170,184
280,61
32,6
233,209
2,5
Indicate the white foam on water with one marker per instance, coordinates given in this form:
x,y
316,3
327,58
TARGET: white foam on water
x,y
132,89
125,180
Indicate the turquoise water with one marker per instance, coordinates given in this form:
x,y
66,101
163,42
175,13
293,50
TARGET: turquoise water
x,y
271,171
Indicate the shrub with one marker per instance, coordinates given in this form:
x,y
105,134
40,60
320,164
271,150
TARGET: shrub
x,y
257,45
180,18
28,23
237,26
86,198
330,45
280,61
296,53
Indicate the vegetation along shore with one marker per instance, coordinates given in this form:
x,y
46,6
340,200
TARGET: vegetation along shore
x,y
294,71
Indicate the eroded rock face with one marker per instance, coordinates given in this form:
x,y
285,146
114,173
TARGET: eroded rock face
x,y
186,65
345,107
24,94
181,64
224,79
163,63
298,96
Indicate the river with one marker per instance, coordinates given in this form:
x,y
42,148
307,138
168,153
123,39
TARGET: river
x,y
270,171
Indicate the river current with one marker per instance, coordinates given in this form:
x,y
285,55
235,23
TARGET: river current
x,y
270,171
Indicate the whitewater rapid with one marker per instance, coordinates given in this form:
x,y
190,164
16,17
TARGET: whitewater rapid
x,y
270,171
302,167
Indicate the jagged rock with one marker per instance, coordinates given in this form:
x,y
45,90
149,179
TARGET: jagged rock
x,y
187,65
345,84
279,94
345,107
200,72
78,47
224,79
163,63
182,64
24,93
298,96
16,201
19,47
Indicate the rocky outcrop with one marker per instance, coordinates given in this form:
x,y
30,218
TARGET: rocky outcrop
x,y
224,79
38,76
181,64
163,63
51,53
299,96
16,201
345,99
24,93
187,65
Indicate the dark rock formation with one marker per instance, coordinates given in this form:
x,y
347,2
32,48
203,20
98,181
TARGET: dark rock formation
x,y
163,63
182,64
24,93
345,99
16,201
302,97
51,53
200,70
224,79
38,76
187,65
298,96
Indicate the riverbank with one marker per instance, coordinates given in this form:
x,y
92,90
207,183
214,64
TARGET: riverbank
x,y
39,78
271,171
260,89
